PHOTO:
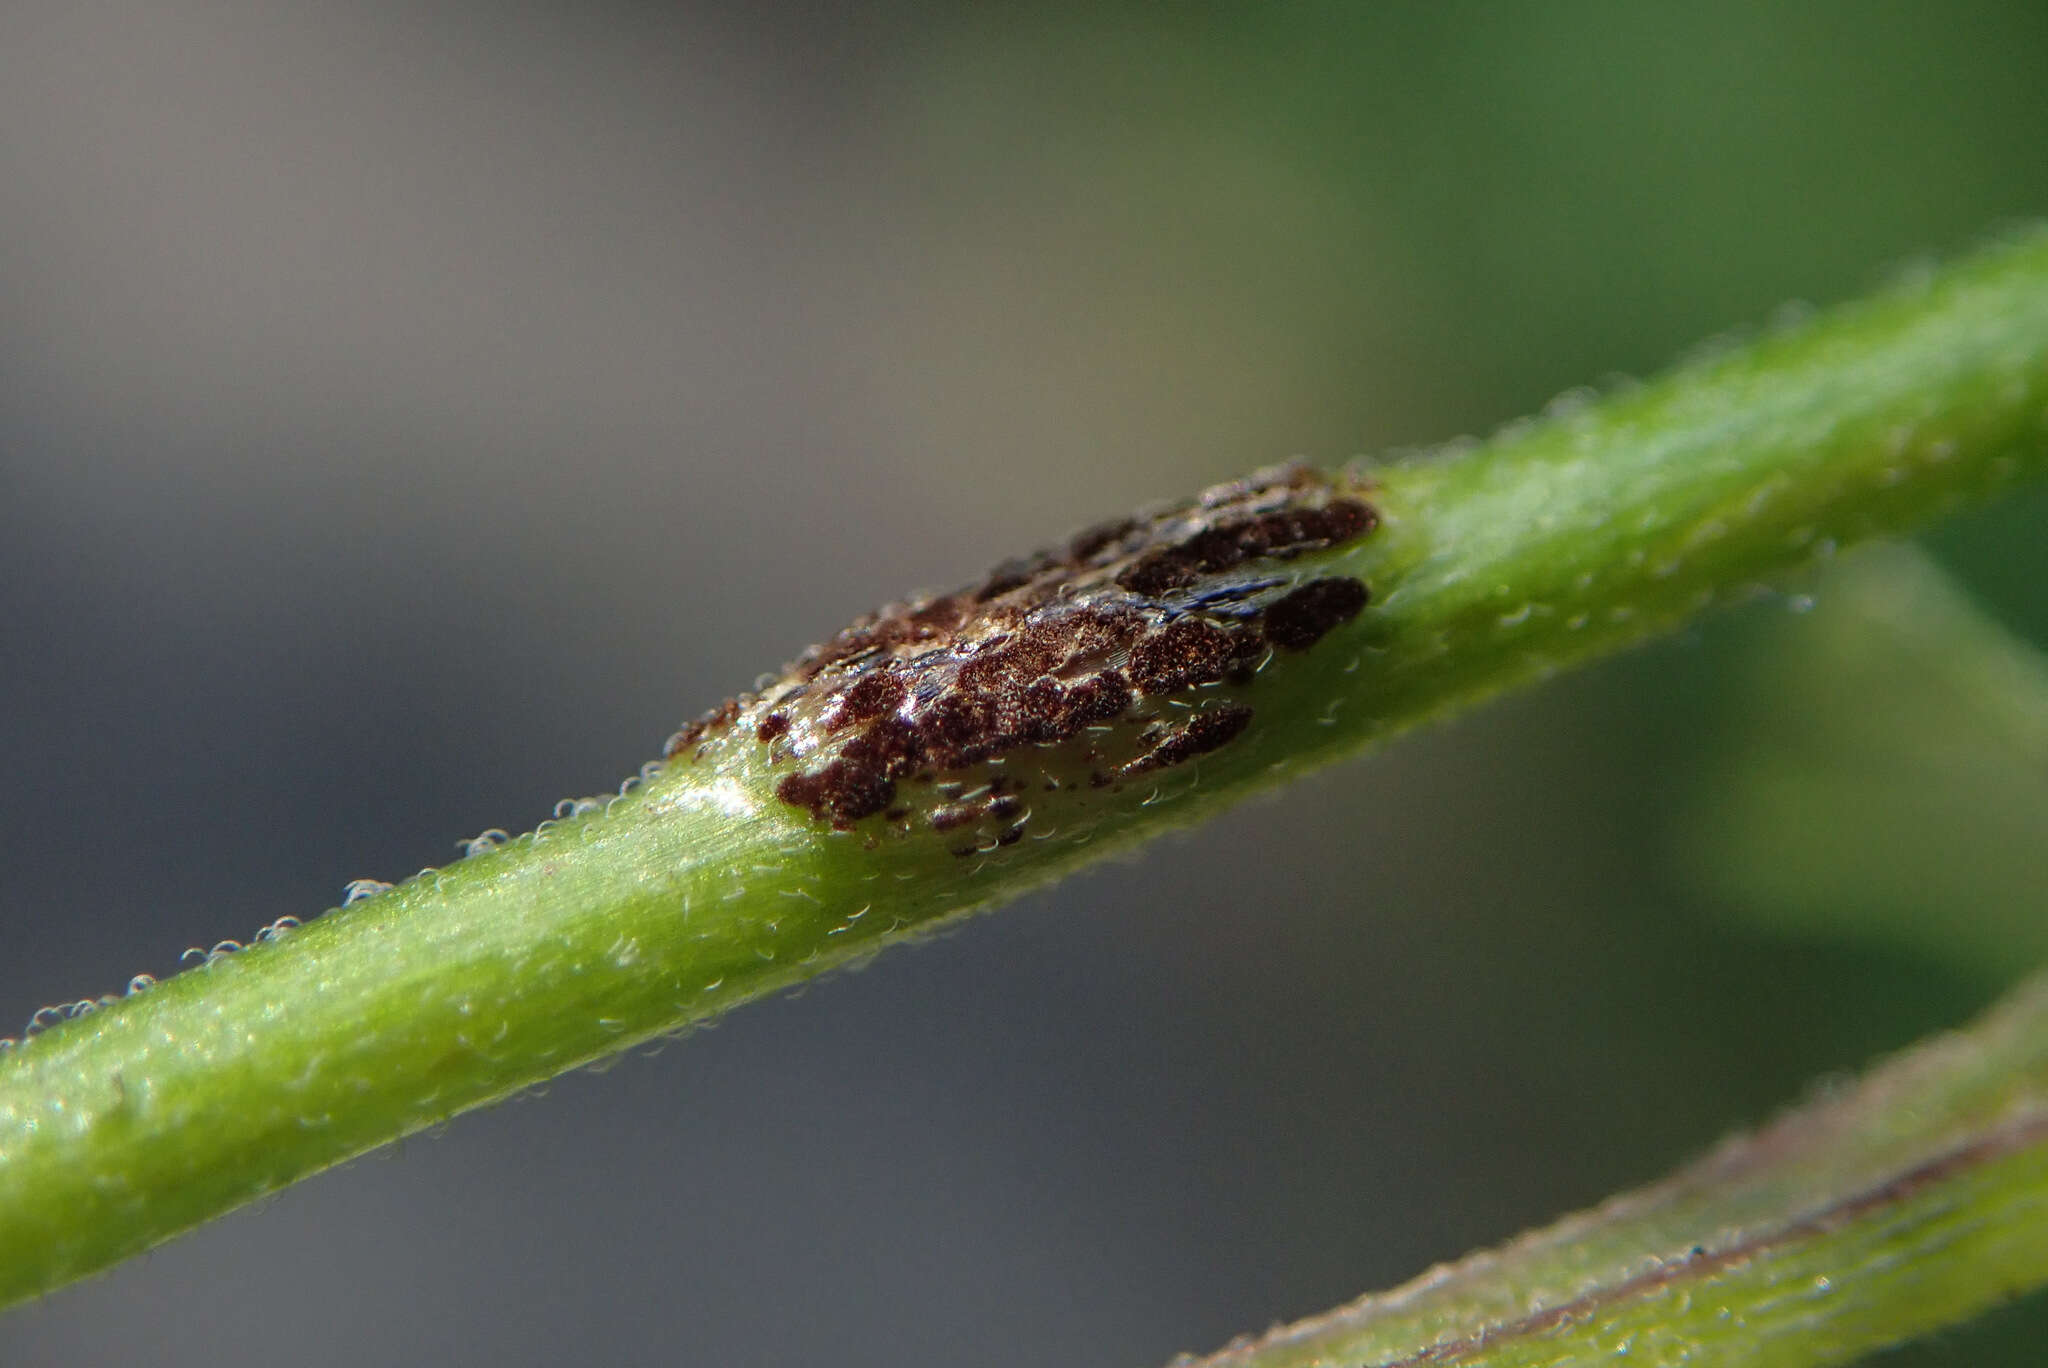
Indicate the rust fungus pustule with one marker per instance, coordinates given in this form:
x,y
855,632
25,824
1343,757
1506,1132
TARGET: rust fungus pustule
x,y
1131,650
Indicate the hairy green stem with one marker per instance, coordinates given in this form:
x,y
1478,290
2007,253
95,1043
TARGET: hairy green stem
x,y
1600,524
1907,1202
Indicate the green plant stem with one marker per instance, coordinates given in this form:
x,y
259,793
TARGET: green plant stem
x,y
1907,1202
697,890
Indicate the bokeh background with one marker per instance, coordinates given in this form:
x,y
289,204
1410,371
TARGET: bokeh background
x,y
409,414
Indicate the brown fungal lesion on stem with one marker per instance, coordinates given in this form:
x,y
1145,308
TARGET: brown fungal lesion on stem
x,y
1131,649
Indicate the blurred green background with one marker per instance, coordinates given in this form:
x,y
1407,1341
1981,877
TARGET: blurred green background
x,y
409,414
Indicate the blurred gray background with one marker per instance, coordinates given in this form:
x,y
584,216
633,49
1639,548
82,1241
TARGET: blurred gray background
x,y
410,414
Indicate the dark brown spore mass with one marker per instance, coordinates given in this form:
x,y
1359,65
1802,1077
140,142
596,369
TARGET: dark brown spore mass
x,y
1189,651
1100,648
1203,732
844,789
1299,620
1284,532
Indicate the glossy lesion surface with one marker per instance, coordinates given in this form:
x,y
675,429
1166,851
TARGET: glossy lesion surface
x,y
1134,648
